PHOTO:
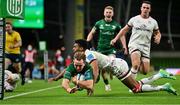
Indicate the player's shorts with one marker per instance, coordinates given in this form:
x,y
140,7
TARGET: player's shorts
x,y
120,69
144,50
13,57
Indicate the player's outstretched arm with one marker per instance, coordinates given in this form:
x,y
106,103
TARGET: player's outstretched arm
x,y
121,33
65,85
87,84
59,76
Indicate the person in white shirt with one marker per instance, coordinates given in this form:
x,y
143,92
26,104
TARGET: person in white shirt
x,y
143,28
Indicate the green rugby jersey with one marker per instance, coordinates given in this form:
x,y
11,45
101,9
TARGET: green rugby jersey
x,y
107,31
86,71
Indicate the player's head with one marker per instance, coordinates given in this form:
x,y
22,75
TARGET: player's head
x,y
80,45
145,8
79,60
9,27
29,47
108,13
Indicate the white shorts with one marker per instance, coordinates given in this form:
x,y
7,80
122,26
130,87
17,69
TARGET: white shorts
x,y
144,50
120,68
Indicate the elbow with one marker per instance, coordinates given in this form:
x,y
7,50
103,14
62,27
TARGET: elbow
x,y
90,84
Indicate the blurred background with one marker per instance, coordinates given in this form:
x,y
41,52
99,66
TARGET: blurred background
x,y
59,22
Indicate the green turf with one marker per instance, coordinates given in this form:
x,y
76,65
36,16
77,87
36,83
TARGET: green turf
x,y
118,95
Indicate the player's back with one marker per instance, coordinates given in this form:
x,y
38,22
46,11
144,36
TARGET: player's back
x,y
103,60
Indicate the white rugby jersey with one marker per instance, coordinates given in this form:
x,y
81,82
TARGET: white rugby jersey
x,y
103,60
142,30
118,66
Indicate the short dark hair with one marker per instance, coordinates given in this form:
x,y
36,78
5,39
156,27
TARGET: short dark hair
x,y
147,2
82,43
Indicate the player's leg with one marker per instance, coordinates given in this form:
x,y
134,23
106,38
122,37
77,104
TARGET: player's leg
x,y
31,67
120,70
145,65
7,63
136,61
137,87
161,74
104,73
17,67
16,62
111,75
105,80
28,76
23,72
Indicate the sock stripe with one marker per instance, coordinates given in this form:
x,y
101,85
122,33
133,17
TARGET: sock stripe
x,y
141,82
133,72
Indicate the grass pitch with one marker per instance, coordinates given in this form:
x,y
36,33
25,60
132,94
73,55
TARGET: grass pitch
x,y
41,92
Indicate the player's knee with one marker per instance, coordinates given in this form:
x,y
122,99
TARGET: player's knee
x,y
136,67
137,88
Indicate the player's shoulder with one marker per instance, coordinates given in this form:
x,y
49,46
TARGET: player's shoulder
x,y
15,32
136,17
70,67
100,21
89,55
87,52
115,22
152,19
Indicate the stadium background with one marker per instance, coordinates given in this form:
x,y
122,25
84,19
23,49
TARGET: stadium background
x,y
59,30
61,24
57,12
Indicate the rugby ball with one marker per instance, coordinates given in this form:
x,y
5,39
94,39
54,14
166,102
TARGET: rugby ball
x,y
80,77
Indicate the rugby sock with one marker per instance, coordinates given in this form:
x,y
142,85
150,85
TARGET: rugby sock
x,y
147,88
106,81
134,73
150,79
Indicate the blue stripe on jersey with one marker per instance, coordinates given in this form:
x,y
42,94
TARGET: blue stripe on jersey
x,y
90,57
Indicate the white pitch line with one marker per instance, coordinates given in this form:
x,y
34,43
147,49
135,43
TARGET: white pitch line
x,y
22,94
90,104
120,97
